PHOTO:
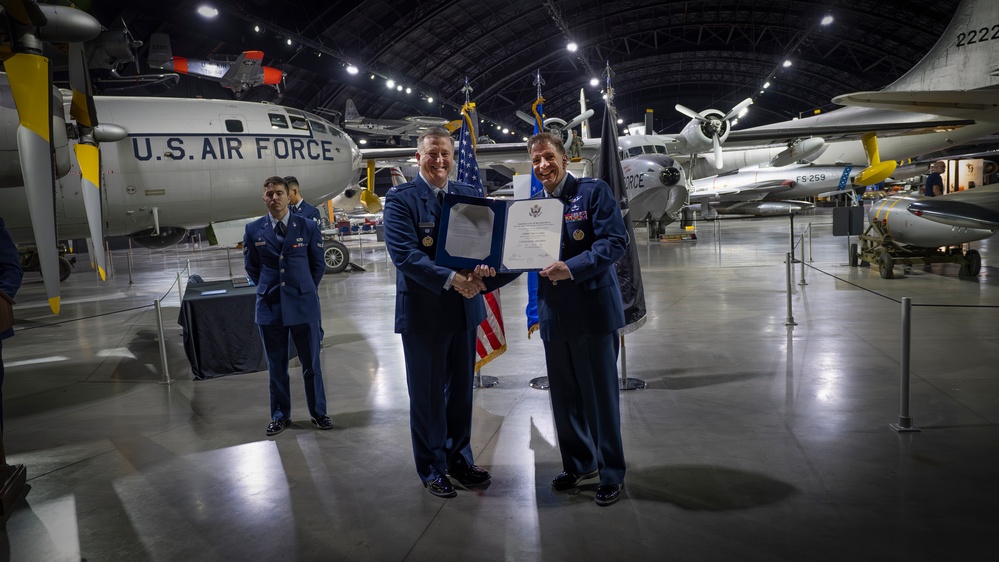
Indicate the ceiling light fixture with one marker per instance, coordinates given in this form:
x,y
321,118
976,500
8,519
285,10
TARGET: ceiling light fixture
x,y
430,99
827,20
351,69
572,46
207,11
594,82
787,63
390,83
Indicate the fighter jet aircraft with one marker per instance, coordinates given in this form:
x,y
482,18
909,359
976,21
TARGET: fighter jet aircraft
x,y
239,75
408,127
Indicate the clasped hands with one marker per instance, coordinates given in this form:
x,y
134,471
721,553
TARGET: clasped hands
x,y
469,282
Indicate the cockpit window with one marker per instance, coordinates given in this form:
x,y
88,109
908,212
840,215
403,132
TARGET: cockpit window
x,y
278,121
299,123
660,149
634,151
317,126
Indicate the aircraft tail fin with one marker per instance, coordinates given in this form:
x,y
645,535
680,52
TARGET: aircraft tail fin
x,y
160,53
398,178
965,57
350,113
585,125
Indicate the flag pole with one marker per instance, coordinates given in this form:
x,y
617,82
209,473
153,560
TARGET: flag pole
x,y
632,292
539,383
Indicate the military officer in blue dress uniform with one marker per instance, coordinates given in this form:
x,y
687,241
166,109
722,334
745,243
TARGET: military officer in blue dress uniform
x,y
437,312
10,281
297,204
580,312
283,256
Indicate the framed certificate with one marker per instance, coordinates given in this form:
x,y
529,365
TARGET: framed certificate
x,y
520,235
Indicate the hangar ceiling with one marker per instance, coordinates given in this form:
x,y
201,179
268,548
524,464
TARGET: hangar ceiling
x,y
702,54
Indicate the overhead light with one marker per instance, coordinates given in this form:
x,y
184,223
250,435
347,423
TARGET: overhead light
x,y
351,69
399,87
390,83
620,121
827,20
207,11
744,111
525,139
289,40
499,127
409,90
572,46
505,130
430,99
766,85
761,91
256,28
594,82
787,63
735,122
362,141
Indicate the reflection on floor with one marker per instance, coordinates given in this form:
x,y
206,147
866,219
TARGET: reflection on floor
x,y
752,441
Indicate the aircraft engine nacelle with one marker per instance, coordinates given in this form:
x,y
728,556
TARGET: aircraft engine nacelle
x,y
907,228
699,134
655,185
168,236
800,150
557,126
989,167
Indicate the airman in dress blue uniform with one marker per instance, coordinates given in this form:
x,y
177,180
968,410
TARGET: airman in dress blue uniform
x,y
438,325
283,256
580,312
10,281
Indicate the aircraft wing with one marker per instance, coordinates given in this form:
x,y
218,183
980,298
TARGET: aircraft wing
x,y
246,70
971,208
750,191
740,139
943,102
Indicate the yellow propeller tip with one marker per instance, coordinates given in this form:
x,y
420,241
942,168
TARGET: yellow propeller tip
x,y
104,276
54,304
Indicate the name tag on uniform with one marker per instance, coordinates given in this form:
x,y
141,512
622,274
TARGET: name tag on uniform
x,y
427,225
261,243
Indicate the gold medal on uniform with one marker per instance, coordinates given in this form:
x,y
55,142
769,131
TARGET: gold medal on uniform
x,y
428,241
577,235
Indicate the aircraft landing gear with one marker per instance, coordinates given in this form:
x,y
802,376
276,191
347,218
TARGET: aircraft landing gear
x,y
29,262
336,255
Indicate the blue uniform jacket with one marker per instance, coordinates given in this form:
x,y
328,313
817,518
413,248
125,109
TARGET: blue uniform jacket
x,y
593,240
412,219
287,276
10,269
308,211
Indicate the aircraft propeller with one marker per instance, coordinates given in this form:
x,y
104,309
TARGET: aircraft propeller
x,y
31,86
714,125
556,125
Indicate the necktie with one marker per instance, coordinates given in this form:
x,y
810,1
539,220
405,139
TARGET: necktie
x,y
440,197
280,229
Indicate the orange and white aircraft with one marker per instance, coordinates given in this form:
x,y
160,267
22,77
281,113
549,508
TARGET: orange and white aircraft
x,y
246,72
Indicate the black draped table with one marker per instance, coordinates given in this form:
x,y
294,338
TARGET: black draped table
x,y
220,336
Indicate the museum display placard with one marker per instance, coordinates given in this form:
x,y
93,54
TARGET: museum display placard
x,y
517,235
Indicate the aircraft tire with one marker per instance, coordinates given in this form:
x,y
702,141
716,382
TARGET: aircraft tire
x,y
336,256
973,266
65,269
885,266
854,257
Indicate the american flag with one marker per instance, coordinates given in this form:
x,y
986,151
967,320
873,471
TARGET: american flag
x,y
491,337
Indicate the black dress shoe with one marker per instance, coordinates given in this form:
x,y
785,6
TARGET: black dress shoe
x,y
608,494
569,480
323,422
277,426
471,476
441,487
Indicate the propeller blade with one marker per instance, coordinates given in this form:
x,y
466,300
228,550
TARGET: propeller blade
x,y
579,119
529,119
29,77
690,113
735,110
87,151
370,201
718,151
25,12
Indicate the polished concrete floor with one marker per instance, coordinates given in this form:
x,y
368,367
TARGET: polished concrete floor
x,y
751,442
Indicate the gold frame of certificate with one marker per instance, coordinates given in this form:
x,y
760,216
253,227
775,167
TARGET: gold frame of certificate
x,y
517,235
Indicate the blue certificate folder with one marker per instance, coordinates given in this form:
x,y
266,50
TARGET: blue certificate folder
x,y
500,210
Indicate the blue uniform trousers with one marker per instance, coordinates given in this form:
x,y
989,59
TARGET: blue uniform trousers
x,y
584,389
440,375
306,338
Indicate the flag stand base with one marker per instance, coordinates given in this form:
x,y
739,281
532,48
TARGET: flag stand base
x,y
485,381
632,384
540,383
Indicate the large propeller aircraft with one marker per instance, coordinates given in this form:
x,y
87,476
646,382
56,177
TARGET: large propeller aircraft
x,y
150,168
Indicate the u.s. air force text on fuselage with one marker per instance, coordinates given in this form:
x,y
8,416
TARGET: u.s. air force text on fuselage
x,y
201,147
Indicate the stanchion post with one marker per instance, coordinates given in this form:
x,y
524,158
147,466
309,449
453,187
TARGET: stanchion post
x,y
790,217
904,424
188,268
802,243
790,317
228,260
130,282
810,260
180,291
159,330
